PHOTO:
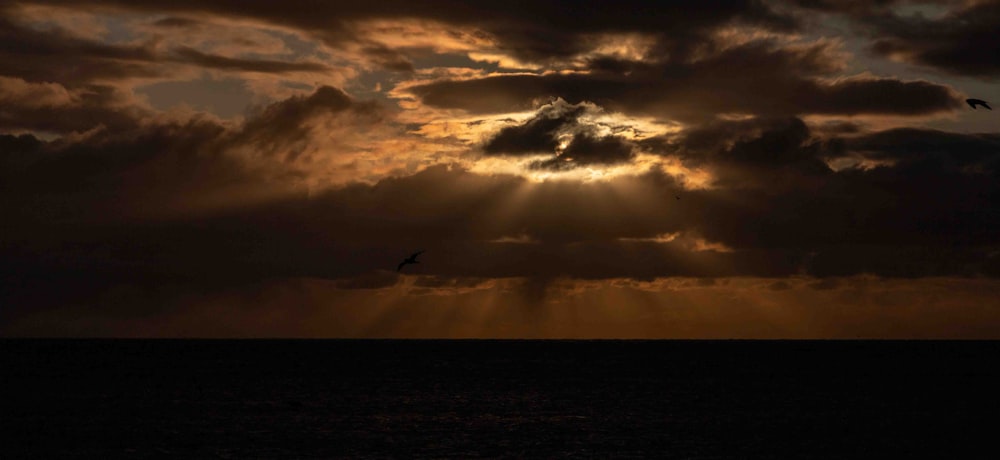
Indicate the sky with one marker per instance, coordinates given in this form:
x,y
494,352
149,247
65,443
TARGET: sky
x,y
711,169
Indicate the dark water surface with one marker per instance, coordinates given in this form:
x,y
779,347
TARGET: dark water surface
x,y
464,399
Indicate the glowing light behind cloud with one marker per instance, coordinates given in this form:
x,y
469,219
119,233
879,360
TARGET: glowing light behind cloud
x,y
744,170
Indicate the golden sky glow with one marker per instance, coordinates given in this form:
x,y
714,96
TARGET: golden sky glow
x,y
735,169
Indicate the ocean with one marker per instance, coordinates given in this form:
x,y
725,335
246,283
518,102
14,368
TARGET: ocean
x,y
497,399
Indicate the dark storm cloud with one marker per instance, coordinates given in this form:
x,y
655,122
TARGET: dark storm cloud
x,y
777,153
962,41
537,135
79,235
753,150
388,58
342,233
282,126
111,174
907,208
938,191
123,170
857,8
52,108
915,144
177,22
542,133
534,31
558,30
586,149
902,261
377,279
192,56
16,152
443,281
57,56
881,96
121,204
79,208
779,286
673,79
72,205
784,82
789,144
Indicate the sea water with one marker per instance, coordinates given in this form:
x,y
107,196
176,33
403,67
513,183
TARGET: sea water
x,y
507,399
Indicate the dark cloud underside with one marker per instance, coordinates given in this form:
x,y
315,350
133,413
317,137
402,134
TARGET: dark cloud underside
x,y
697,99
961,42
533,30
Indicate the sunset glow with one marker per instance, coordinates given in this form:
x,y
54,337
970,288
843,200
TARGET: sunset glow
x,y
731,169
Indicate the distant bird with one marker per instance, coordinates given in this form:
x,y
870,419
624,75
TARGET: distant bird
x,y
677,197
409,260
974,102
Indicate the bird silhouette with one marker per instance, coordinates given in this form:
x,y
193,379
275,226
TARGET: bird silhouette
x,y
409,260
974,102
677,197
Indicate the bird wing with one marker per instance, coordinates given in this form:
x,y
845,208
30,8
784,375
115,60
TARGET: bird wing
x,y
400,267
415,254
974,102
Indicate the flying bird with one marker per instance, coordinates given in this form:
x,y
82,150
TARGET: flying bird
x,y
677,197
409,260
974,102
